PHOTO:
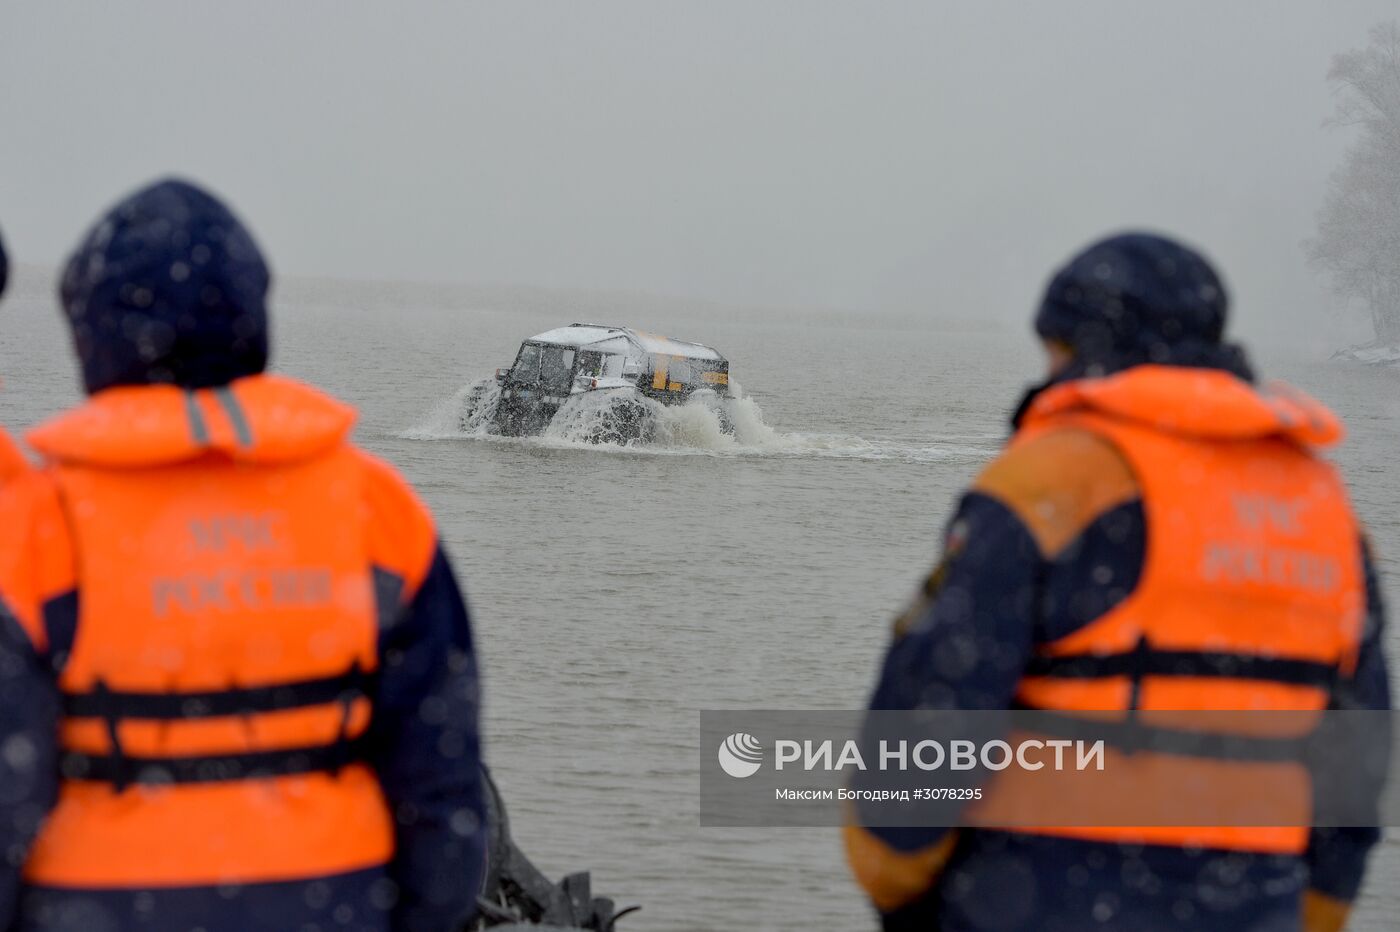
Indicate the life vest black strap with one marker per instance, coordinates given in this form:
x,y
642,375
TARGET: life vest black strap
x,y
1151,661
103,702
122,771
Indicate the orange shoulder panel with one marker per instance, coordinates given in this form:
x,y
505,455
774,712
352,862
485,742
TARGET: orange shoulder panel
x,y
1058,482
894,878
1322,913
12,461
401,534
37,561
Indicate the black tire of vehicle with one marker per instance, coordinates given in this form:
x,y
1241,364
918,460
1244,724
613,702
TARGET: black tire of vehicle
x,y
627,420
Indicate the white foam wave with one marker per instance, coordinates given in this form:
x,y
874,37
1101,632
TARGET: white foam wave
x,y
697,427
464,413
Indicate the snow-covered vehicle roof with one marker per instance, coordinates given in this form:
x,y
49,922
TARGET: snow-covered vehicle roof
x,y
611,339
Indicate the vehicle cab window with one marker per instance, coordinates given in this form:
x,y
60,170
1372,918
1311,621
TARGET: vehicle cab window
x,y
590,364
527,364
556,367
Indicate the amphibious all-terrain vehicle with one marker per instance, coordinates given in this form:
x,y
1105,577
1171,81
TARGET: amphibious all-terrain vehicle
x,y
624,371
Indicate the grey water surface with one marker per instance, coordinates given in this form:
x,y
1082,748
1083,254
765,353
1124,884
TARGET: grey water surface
x,y
615,593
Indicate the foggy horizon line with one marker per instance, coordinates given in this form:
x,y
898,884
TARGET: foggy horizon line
x,y
25,278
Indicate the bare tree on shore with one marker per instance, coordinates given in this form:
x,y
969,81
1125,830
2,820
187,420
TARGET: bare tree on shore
x,y
1358,228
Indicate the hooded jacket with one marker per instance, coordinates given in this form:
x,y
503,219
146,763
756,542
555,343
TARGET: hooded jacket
x,y
220,626
1049,542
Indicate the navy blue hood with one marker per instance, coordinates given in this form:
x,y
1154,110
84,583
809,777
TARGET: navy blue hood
x,y
1132,299
168,287
1139,298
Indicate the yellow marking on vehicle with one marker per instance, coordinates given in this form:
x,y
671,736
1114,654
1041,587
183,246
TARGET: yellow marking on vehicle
x,y
659,380
715,378
676,386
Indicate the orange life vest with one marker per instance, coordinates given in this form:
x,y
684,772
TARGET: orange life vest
x,y
215,697
1251,596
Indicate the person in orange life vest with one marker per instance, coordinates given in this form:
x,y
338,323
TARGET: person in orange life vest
x,y
239,686
12,461
1071,579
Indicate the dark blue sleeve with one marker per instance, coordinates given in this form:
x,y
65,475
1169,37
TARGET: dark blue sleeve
x,y
426,747
970,635
29,765
1337,856
966,642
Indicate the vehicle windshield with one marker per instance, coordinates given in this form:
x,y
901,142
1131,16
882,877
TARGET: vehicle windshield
x,y
527,364
557,368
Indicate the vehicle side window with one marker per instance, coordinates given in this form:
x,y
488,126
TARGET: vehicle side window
x,y
527,364
612,367
556,367
679,370
590,364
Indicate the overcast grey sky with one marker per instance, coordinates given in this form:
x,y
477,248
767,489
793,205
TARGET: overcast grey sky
x,y
877,155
